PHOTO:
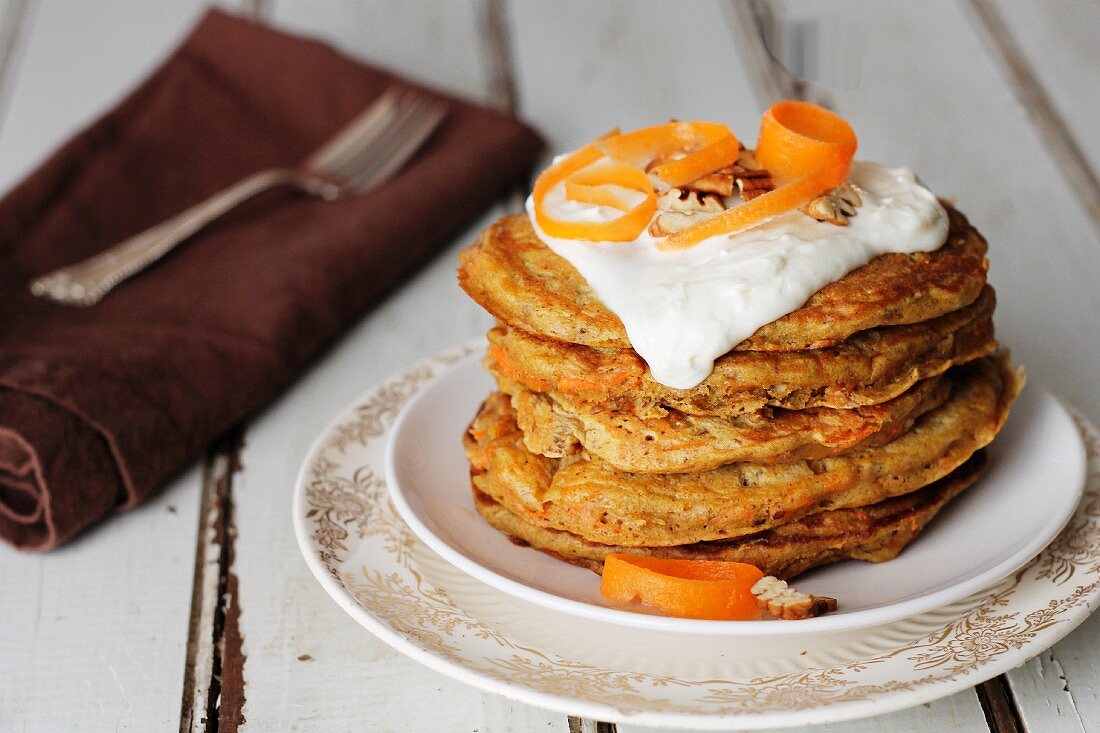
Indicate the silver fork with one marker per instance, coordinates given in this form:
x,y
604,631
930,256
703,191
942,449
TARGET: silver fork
x,y
364,154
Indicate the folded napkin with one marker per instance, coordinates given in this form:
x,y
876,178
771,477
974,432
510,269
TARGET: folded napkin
x,y
99,406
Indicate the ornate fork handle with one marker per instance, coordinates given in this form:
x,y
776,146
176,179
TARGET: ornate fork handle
x,y
87,282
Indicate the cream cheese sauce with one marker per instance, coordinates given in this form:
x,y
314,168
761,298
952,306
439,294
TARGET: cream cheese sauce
x,y
684,309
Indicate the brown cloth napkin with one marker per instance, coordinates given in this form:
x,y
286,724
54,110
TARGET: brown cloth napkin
x,y
98,406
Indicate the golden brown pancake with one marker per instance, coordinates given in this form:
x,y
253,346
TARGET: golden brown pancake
x,y
557,426
875,533
517,278
868,368
588,497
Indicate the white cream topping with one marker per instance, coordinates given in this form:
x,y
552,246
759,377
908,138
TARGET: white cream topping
x,y
684,309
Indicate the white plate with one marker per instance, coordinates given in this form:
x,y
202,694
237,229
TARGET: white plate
x,y
366,558
1029,490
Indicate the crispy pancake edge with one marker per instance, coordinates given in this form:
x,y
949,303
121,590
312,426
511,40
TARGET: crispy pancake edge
x,y
589,498
557,426
519,280
869,368
873,533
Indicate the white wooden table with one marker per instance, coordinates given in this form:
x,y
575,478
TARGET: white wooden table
x,y
196,611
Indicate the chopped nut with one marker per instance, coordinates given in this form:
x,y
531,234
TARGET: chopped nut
x,y
835,205
680,208
751,184
783,602
751,179
719,182
684,201
670,222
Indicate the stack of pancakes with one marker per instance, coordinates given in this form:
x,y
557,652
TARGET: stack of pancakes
x,y
837,431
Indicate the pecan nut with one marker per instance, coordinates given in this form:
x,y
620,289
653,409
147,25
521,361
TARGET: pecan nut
x,y
719,182
836,205
680,208
783,602
751,179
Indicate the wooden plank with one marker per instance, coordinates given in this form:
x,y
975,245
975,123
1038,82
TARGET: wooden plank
x,y
583,68
1001,713
214,667
755,28
1058,689
308,665
95,633
433,41
1049,52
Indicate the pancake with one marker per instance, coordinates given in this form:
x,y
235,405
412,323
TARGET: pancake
x,y
517,278
557,425
875,533
868,368
588,497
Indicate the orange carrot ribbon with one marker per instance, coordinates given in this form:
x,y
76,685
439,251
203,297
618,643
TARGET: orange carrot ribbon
x,y
586,184
806,148
639,147
699,589
693,166
708,147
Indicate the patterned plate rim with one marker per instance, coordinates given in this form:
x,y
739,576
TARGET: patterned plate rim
x,y
332,512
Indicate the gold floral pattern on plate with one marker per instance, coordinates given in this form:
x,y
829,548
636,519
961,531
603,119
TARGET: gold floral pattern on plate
x,y
351,533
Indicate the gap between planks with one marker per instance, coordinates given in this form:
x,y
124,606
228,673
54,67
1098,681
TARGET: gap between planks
x,y
583,725
1059,140
213,683
1001,713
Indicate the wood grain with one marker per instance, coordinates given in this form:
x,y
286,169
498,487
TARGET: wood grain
x,y
94,633
1061,42
1001,714
198,672
583,68
1048,121
1058,45
1057,690
214,687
